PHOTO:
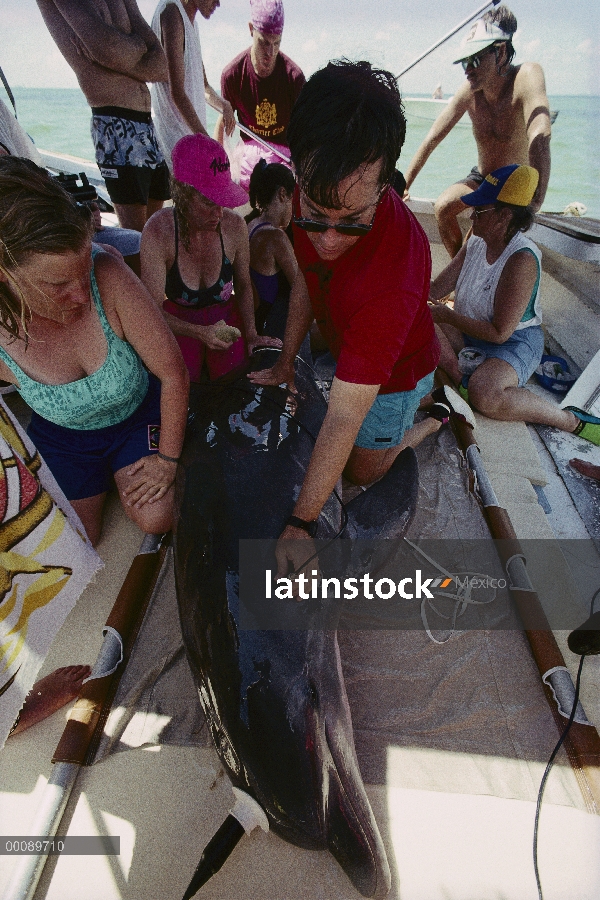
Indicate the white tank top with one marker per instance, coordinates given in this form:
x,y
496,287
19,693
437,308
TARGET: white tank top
x,y
476,286
168,121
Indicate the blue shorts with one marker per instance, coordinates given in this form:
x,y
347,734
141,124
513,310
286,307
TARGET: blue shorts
x,y
523,350
391,416
83,462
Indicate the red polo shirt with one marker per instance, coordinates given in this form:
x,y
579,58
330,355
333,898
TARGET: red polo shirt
x,y
264,105
371,302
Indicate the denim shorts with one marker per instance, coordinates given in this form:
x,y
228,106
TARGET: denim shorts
x,y
523,350
83,462
391,416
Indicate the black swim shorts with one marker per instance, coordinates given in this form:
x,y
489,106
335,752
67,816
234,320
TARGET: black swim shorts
x,y
474,175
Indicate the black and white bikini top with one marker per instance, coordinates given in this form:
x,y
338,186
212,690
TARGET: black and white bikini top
x,y
178,292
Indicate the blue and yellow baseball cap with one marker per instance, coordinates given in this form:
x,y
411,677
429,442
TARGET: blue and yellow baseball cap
x,y
510,184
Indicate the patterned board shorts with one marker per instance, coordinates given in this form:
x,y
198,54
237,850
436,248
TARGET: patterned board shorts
x,y
128,155
124,137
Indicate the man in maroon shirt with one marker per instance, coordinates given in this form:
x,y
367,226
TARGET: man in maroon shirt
x,y
365,269
262,84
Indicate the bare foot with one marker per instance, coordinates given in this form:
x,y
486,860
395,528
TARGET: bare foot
x,y
585,468
51,693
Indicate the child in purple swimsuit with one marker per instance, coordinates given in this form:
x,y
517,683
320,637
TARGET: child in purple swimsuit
x,y
273,266
196,255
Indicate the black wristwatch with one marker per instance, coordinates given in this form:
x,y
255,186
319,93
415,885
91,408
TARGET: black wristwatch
x,y
309,527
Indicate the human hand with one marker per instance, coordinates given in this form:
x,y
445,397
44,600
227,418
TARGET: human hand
x,y
229,122
439,312
208,334
260,340
293,551
154,478
406,194
278,374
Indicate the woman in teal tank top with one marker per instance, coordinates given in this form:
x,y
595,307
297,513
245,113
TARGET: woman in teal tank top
x,y
90,353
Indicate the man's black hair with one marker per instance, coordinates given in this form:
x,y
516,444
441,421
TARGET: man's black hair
x,y
347,115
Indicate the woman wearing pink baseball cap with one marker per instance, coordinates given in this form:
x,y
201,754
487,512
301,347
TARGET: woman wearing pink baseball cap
x,y
195,261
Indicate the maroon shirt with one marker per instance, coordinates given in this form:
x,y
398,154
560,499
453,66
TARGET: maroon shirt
x,y
264,105
371,303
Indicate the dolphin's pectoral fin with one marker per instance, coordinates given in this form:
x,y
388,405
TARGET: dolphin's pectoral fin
x,y
354,840
351,830
386,509
348,843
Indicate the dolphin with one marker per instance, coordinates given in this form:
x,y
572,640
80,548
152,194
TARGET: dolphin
x,y
275,700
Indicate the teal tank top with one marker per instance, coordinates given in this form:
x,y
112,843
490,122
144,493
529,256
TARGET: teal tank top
x,y
106,397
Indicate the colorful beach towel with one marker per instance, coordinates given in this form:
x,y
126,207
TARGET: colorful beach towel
x,y
46,562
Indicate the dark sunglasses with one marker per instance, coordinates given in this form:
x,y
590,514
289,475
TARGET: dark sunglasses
x,y
321,227
475,61
354,230
481,212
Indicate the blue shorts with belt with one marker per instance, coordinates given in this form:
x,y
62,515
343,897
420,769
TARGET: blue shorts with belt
x,y
83,462
523,350
391,416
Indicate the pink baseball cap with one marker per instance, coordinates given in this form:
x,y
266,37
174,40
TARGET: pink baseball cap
x,y
267,16
201,162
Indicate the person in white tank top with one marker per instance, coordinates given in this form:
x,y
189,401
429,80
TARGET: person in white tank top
x,y
497,312
179,104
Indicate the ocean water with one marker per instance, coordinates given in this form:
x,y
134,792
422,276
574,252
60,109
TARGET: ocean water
x,y
59,120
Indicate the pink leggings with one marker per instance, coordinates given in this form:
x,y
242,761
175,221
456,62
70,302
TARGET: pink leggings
x,y
218,362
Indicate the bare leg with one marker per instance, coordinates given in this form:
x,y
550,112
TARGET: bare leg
x,y
131,215
453,335
89,511
493,391
585,468
366,466
447,207
50,694
153,518
153,206
448,358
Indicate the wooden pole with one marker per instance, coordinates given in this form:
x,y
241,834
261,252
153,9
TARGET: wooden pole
x,y
582,743
83,730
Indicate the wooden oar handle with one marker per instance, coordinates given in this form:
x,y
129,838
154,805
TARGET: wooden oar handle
x,y
82,722
90,708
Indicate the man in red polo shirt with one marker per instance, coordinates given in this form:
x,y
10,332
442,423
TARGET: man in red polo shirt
x,y
262,84
365,269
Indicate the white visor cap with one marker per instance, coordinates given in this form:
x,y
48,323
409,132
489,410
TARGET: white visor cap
x,y
481,35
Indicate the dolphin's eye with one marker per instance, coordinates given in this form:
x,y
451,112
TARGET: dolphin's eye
x,y
313,694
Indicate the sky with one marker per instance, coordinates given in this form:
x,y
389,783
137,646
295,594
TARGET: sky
x,y
564,37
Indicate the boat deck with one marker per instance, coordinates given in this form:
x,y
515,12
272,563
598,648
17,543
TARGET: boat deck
x,y
448,835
